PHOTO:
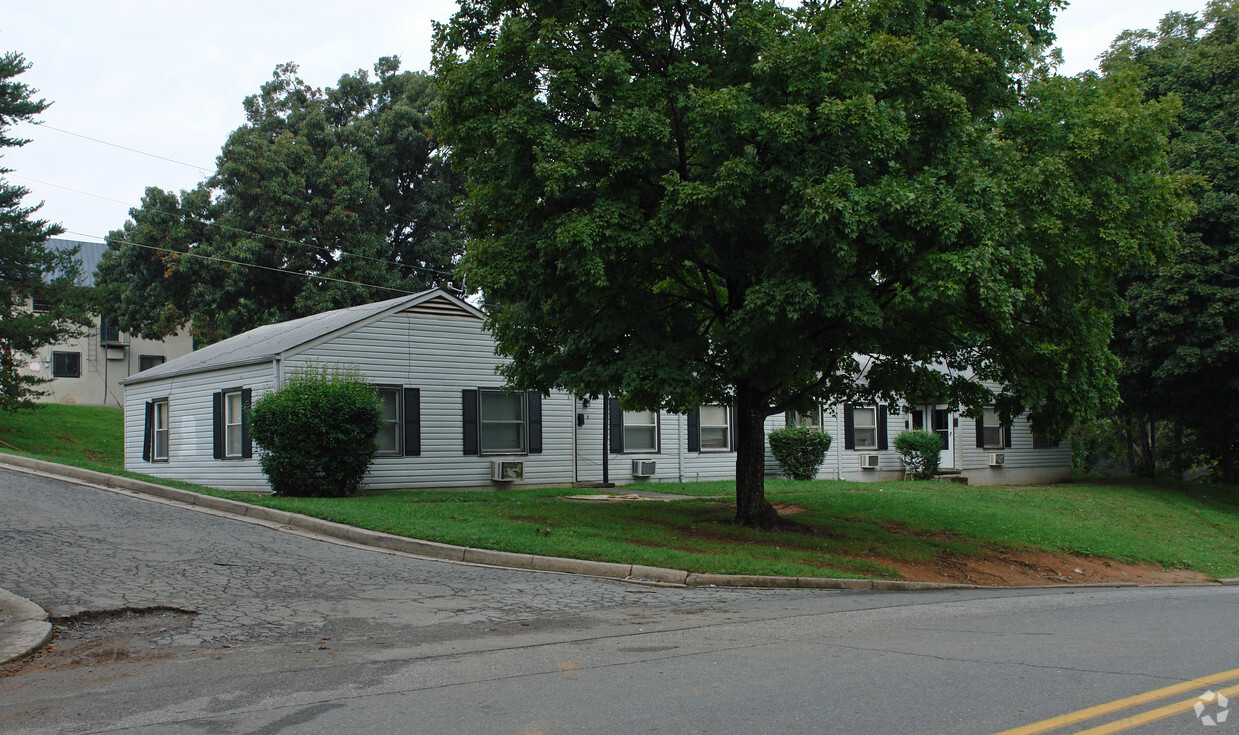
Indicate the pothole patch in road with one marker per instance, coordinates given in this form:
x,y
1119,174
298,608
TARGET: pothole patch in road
x,y
97,638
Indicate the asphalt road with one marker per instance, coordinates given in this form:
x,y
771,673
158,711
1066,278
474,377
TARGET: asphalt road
x,y
171,620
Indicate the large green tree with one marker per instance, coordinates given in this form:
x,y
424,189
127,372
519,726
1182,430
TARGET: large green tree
x,y
345,187
690,201
28,268
1180,338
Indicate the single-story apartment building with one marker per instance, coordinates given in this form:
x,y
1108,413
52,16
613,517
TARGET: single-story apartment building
x,y
451,424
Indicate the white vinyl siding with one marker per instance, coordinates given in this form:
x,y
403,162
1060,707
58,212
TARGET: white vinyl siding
x,y
440,351
190,437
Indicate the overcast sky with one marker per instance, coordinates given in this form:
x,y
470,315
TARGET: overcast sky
x,y
167,79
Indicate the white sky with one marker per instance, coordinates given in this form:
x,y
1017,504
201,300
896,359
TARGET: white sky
x,y
168,78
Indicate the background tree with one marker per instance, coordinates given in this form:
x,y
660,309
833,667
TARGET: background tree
x,y
344,185
28,269
733,201
1180,339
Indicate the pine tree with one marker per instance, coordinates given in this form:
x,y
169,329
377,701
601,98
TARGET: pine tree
x,y
29,270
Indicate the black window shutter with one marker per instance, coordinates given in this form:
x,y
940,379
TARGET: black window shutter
x,y
217,424
535,422
247,444
882,427
412,422
789,418
469,419
849,427
616,429
694,430
148,433
980,432
1006,436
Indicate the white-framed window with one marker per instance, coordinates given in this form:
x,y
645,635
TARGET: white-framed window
x,y
810,419
390,437
234,418
503,422
991,430
715,429
865,426
159,432
640,431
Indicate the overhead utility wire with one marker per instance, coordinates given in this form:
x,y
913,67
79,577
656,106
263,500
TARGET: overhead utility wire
x,y
124,147
205,223
251,265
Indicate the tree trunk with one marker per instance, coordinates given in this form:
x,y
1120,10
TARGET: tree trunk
x,y
750,443
1178,450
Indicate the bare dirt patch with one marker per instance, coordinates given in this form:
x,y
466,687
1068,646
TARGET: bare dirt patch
x,y
94,640
1021,568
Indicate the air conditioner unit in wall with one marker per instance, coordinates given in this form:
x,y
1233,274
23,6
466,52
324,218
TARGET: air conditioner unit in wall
x,y
869,461
996,459
643,467
506,470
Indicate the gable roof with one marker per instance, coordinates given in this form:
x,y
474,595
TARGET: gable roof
x,y
270,341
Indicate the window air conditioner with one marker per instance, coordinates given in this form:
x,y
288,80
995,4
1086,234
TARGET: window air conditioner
x,y
506,470
869,461
643,467
996,459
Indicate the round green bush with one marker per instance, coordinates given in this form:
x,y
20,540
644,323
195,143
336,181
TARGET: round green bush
x,y
919,451
800,450
317,432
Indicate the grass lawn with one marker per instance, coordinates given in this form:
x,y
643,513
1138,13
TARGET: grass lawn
x,y
849,527
846,529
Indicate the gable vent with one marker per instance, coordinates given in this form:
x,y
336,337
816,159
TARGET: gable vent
x,y
437,306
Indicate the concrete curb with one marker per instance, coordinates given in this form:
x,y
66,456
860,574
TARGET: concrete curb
x,y
24,627
448,552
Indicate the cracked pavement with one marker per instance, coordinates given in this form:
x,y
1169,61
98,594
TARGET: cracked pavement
x,y
296,634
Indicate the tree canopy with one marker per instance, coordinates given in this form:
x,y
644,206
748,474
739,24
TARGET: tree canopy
x,y
345,187
1180,338
29,270
739,202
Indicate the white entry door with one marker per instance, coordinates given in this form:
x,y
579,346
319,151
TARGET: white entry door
x,y
941,421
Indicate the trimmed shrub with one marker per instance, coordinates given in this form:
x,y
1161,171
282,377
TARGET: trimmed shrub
x,y
317,432
800,450
919,451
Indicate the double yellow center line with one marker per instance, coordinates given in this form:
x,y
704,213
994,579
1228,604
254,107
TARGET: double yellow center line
x,y
1144,718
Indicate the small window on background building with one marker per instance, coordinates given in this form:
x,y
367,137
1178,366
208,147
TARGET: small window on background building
x,y
640,431
108,332
146,362
40,306
389,437
715,429
865,427
66,364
